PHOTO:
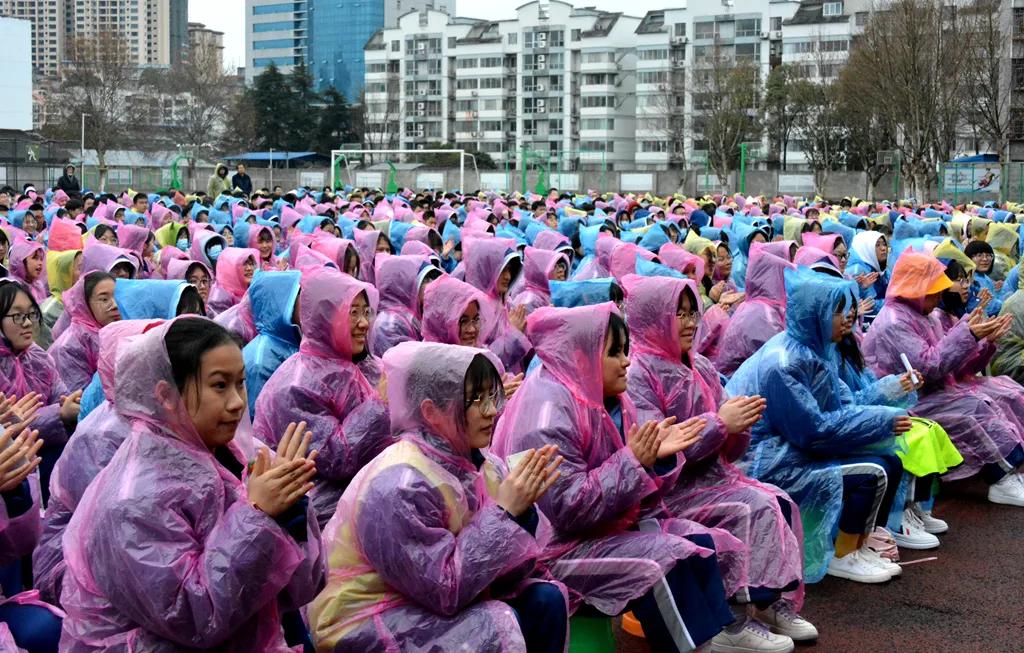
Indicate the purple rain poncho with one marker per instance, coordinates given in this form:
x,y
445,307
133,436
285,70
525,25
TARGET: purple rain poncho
x,y
398,320
323,386
761,315
366,247
981,415
595,506
76,352
21,251
92,445
230,283
538,266
484,260
32,370
419,550
165,552
444,302
710,490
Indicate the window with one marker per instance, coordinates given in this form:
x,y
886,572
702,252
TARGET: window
x,y
798,47
597,146
555,128
652,55
491,82
577,34
652,77
465,105
832,9
748,27
598,57
748,50
776,22
1018,73
466,63
264,62
593,101
490,125
452,43
680,29
376,87
834,46
396,45
654,146
593,79
861,18
463,84
281,8
273,44
598,123
513,38
376,68
490,62
273,27
654,124
704,30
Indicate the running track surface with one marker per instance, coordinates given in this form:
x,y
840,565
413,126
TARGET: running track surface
x,y
971,599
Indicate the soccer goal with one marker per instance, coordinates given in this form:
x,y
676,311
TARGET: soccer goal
x,y
354,174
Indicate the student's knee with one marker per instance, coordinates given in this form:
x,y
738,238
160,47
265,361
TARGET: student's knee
x,y
702,540
546,597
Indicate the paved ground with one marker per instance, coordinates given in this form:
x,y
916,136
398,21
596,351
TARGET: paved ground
x,y
971,599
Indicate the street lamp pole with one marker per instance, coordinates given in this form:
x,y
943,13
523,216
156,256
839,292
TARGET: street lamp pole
x,y
81,151
271,164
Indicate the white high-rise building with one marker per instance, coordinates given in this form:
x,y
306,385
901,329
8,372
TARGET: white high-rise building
x,y
48,27
16,82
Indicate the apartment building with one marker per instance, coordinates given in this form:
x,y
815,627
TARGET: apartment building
x,y
47,34
327,35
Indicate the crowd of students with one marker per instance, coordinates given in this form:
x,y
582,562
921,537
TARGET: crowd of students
x,y
351,421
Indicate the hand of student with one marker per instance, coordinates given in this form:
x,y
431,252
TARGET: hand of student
x,y
680,437
984,297
729,298
740,413
902,424
70,406
983,327
382,387
282,264
446,251
275,488
865,306
716,292
18,454
866,280
644,441
531,478
1001,327
517,318
294,445
999,286
511,384
908,383
13,409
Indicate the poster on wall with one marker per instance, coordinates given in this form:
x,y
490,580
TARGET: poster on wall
x,y
972,180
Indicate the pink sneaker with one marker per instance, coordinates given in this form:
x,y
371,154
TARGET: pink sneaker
x,y
881,542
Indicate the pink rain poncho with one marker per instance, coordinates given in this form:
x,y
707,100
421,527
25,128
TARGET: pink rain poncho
x,y
202,237
484,260
624,257
231,283
165,257
663,382
761,315
322,385
598,501
418,549
715,319
93,444
165,551
981,415
366,247
134,238
76,352
21,251
334,249
101,257
538,266
399,279
444,302
32,370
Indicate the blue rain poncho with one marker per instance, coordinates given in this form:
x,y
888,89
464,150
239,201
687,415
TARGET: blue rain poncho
x,y
273,296
812,419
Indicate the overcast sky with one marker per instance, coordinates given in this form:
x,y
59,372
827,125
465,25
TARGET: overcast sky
x,y
228,16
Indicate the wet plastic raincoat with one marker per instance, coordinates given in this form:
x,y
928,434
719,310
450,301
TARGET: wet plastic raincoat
x,y
811,420
231,284
21,251
165,551
322,385
761,315
538,266
444,302
663,382
272,296
418,550
603,492
980,414
148,298
76,352
60,271
399,279
484,260
1009,357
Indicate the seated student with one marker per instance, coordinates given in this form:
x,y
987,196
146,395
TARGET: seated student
x,y
761,315
63,270
432,544
668,378
540,266
492,264
91,306
369,243
983,285
26,263
980,414
234,271
745,236
1009,357
614,474
330,383
451,313
276,304
834,457
174,492
402,280
96,438
868,265
196,274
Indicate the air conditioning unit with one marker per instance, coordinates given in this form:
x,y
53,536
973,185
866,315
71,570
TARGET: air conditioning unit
x,y
541,103
776,35
420,133
541,58
680,40
421,105
541,110
421,47
539,88
478,134
422,92
678,63
764,35
421,113
474,93
476,114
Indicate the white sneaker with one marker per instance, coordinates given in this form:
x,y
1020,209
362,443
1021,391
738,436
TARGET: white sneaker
x,y
912,534
754,637
874,558
856,567
932,524
781,618
1008,491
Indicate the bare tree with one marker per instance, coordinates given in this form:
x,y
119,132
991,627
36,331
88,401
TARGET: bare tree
x,y
822,127
379,123
726,91
914,68
780,110
989,112
96,79
664,114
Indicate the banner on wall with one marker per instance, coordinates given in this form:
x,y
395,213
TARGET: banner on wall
x,y
972,180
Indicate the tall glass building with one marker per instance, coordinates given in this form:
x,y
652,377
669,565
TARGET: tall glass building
x,y
328,35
